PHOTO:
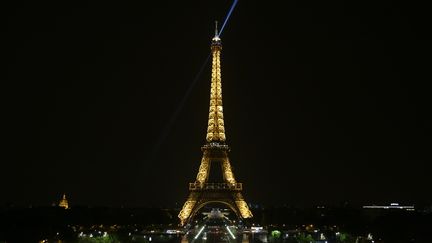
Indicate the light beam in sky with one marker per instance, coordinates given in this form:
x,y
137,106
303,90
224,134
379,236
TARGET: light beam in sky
x,y
228,16
167,128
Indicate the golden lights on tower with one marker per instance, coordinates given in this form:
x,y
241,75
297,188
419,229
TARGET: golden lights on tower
x,y
215,152
216,127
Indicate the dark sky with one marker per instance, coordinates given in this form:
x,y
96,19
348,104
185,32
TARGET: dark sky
x,y
324,102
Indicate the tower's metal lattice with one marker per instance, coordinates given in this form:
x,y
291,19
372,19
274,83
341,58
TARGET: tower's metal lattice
x,y
215,151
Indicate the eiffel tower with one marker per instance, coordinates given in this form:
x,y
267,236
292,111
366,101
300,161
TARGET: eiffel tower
x,y
226,190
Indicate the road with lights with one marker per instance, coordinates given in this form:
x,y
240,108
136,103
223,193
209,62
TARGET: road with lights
x,y
215,227
206,233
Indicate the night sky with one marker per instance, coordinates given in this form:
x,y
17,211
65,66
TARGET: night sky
x,y
324,102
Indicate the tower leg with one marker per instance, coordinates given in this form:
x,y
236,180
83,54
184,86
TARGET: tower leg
x,y
242,206
186,211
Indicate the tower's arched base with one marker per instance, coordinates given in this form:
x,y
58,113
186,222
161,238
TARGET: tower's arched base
x,y
198,199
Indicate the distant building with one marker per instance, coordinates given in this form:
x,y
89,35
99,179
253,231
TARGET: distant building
x,y
64,202
392,206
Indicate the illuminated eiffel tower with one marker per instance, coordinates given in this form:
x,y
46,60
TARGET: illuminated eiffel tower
x,y
215,152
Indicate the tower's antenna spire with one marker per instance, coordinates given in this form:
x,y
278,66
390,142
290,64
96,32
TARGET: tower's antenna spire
x,y
216,29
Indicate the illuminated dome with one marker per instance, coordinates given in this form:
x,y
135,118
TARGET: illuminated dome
x,y
64,202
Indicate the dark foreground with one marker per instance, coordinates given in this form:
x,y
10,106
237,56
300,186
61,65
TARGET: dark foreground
x,y
278,224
